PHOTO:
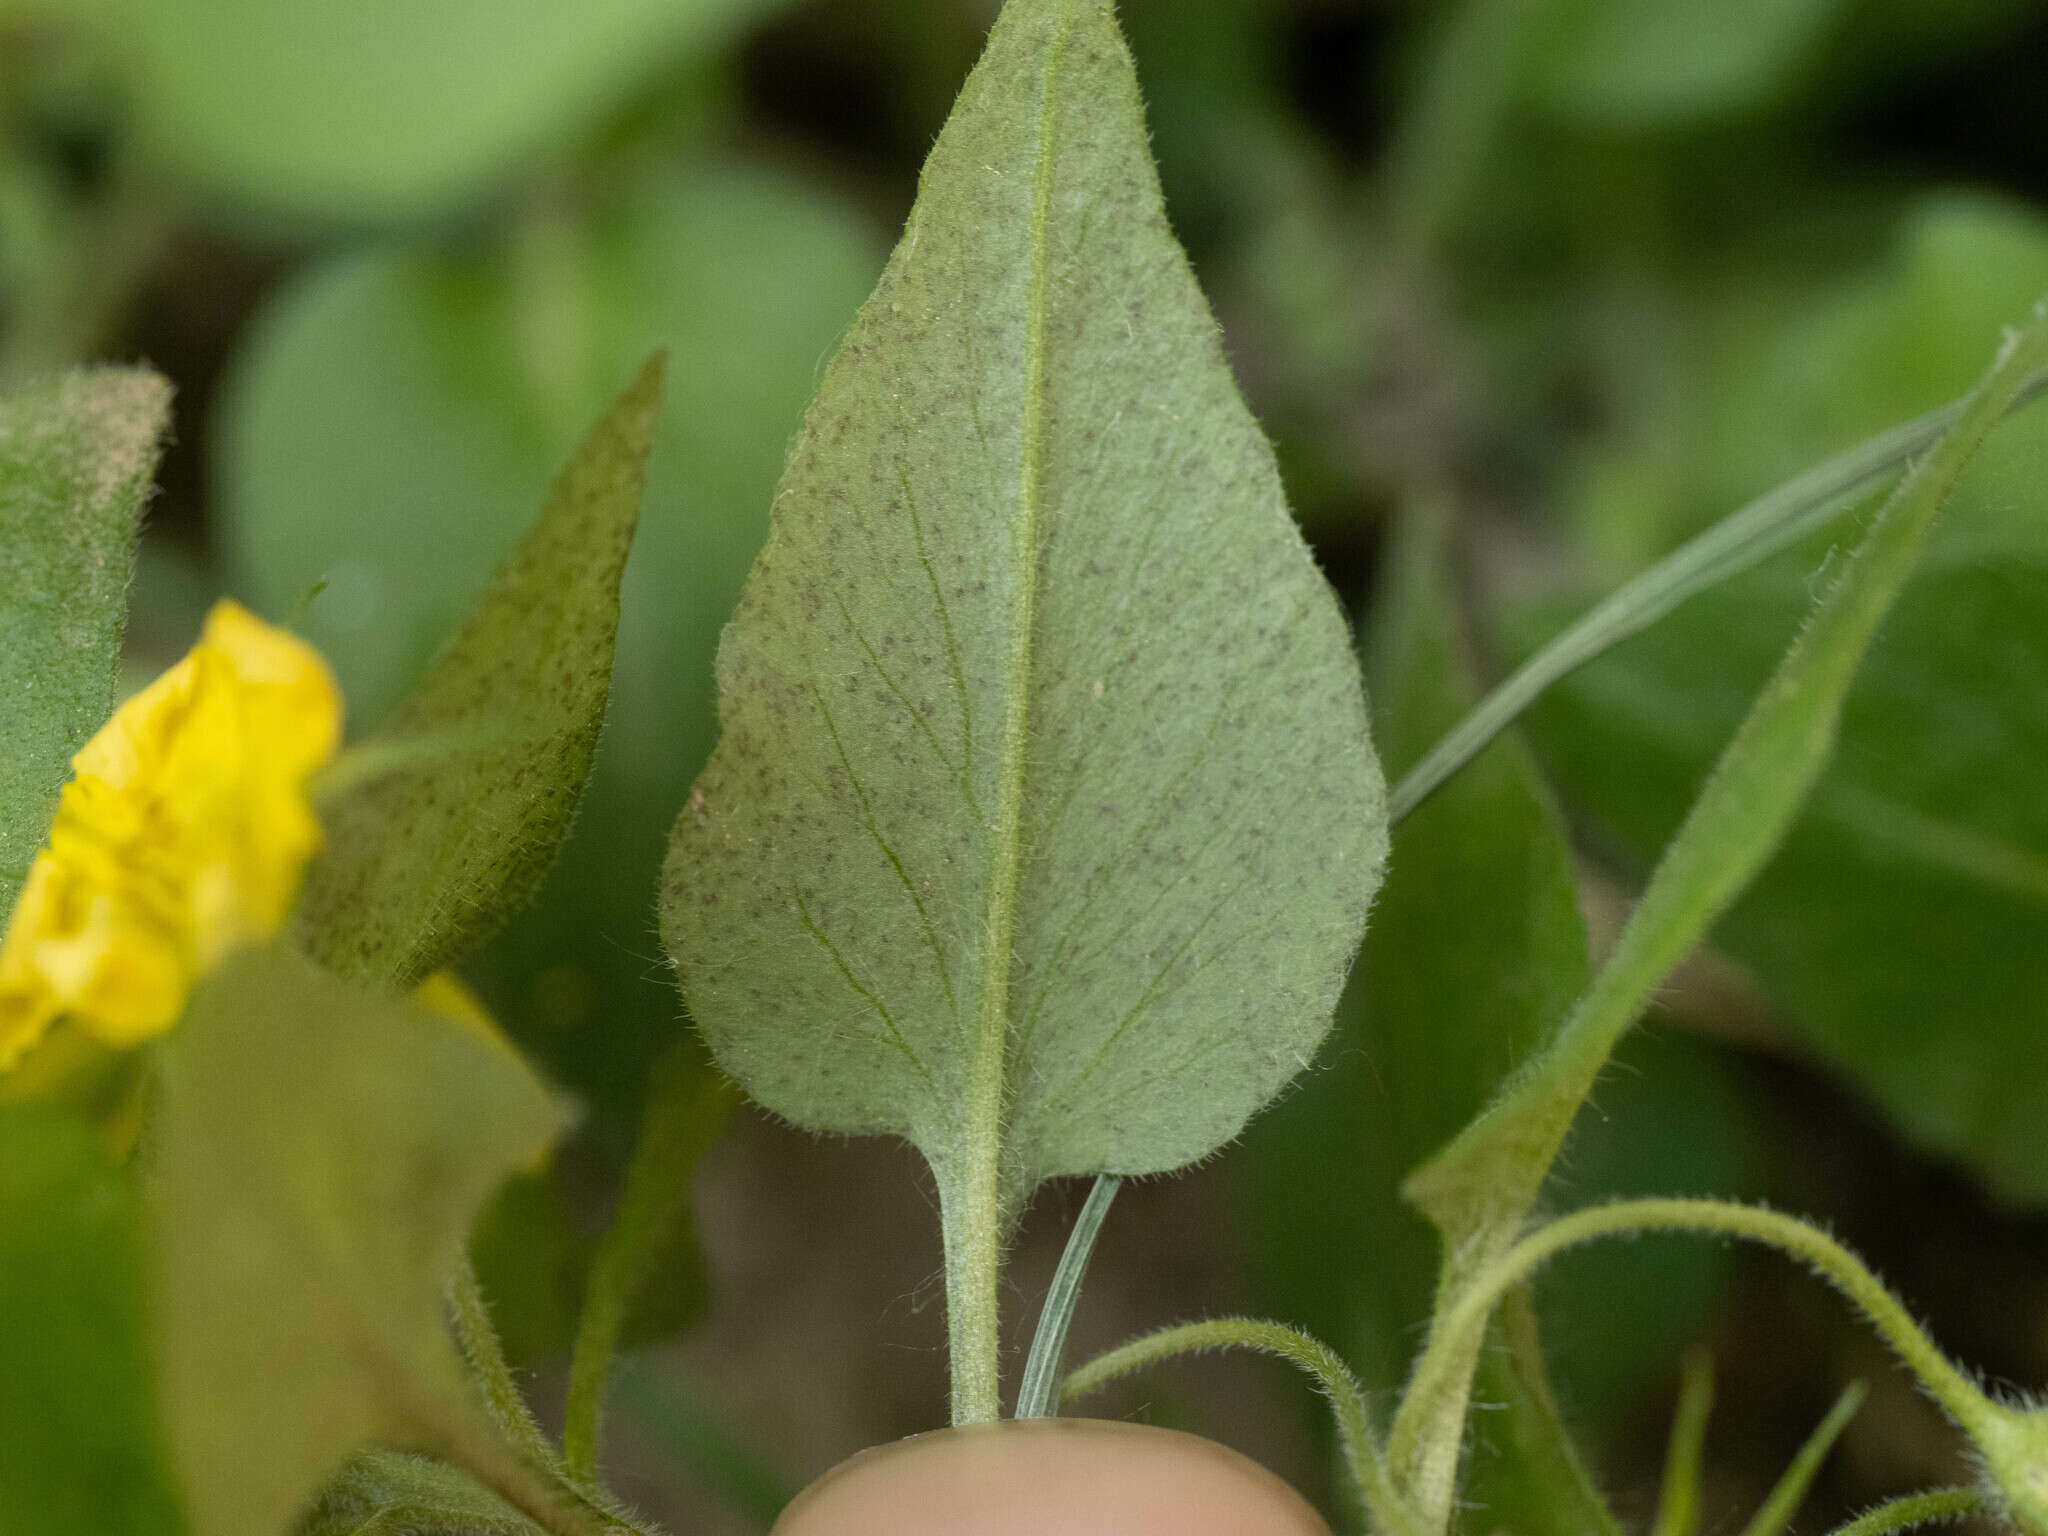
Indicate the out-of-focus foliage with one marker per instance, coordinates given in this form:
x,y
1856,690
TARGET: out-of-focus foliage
x,y
76,456
76,1408
320,1158
488,755
396,421
389,431
1476,951
1898,930
1660,64
380,110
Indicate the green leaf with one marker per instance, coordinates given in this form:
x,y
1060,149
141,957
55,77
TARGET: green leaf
x,y
390,429
389,109
530,1255
386,1493
1659,64
1476,951
1044,819
1783,1501
685,1113
76,457
1897,931
1480,1189
76,1415
1487,1179
1678,1497
318,1156
426,861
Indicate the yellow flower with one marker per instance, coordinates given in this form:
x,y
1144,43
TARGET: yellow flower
x,y
183,833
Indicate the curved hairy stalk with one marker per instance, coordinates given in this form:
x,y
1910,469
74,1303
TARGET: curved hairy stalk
x,y
1355,1432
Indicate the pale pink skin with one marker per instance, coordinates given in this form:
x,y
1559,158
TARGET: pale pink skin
x,y
1050,1477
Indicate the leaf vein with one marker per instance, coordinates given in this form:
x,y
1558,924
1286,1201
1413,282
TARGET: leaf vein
x,y
867,815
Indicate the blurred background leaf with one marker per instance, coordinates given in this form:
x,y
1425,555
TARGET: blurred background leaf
x,y
387,433
386,110
77,1410
1662,64
489,753
390,430
319,1156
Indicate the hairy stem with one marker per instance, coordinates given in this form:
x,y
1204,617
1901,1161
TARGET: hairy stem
x,y
1466,1321
1936,1505
533,1490
1355,1431
975,1216
491,1371
685,1112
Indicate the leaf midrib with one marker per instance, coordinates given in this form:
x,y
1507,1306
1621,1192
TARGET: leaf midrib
x,y
987,1085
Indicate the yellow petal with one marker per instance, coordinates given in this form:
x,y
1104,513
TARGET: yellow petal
x,y
184,833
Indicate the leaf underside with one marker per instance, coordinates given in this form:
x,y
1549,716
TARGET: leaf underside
x,y
427,861
1477,949
76,458
431,859
1044,814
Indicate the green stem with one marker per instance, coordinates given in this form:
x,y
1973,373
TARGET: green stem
x,y
1355,1431
684,1115
1941,1504
1755,531
1480,1188
695,1439
552,324
974,1266
1451,125
1678,1502
491,1371
1466,1321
